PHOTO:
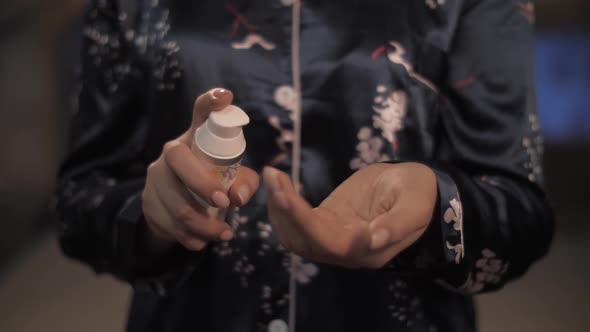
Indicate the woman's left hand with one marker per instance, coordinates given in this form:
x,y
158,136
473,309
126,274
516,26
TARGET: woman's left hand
x,y
369,219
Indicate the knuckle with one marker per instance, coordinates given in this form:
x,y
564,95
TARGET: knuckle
x,y
199,100
168,147
204,229
184,213
192,243
171,148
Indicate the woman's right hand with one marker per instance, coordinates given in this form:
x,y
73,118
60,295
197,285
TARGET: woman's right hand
x,y
172,214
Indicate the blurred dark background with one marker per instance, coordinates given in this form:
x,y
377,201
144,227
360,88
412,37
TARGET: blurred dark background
x,y
42,291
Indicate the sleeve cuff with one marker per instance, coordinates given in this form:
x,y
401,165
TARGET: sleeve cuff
x,y
450,218
442,245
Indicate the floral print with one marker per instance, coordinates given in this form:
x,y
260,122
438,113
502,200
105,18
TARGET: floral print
x,y
368,148
129,56
433,4
301,271
454,215
489,271
391,111
396,54
405,307
286,97
271,302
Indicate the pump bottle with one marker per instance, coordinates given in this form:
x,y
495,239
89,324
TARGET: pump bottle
x,y
220,144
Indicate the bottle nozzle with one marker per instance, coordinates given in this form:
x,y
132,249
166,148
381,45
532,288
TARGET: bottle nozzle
x,y
228,122
221,135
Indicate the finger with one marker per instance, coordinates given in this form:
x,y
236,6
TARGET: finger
x,y
211,101
280,227
166,227
190,241
246,185
287,234
393,227
194,175
282,194
318,233
183,208
157,219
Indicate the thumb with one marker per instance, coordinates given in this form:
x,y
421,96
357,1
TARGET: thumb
x,y
211,101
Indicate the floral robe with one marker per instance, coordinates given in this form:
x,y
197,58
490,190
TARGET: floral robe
x,y
443,82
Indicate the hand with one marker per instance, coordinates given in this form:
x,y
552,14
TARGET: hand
x,y
368,220
172,214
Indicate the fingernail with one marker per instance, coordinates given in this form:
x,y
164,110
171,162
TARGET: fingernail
x,y
220,199
243,194
220,93
226,235
281,200
271,180
379,239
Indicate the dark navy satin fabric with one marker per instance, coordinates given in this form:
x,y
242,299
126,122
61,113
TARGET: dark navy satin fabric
x,y
444,83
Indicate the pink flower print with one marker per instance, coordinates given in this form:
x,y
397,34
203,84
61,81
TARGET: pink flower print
x,y
286,97
286,134
487,253
396,53
368,148
303,272
454,215
433,4
471,285
489,270
244,269
264,229
390,114
237,220
458,249
223,249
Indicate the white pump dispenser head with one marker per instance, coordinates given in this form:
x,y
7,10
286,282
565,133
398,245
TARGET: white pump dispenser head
x,y
221,138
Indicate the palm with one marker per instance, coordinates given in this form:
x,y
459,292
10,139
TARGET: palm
x,y
340,230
